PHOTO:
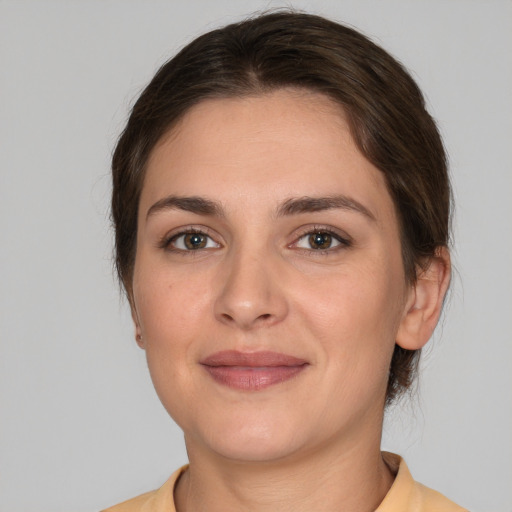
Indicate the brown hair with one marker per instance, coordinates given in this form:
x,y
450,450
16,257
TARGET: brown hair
x,y
385,108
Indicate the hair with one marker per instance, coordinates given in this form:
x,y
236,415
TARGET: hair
x,y
384,106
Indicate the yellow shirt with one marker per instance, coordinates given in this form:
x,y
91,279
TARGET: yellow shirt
x,y
405,495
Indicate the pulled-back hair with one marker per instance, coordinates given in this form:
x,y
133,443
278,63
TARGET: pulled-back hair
x,y
384,106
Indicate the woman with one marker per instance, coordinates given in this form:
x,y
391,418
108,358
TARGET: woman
x,y
281,204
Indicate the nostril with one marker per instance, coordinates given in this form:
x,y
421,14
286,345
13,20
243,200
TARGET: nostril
x,y
260,318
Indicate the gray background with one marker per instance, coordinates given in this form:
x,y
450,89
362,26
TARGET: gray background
x,y
80,425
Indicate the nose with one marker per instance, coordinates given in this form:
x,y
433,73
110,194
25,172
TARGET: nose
x,y
251,293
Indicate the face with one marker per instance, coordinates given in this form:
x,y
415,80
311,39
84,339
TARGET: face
x,y
268,285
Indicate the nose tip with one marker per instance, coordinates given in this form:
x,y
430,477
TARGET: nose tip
x,y
246,319
250,297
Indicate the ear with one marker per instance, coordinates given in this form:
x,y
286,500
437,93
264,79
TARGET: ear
x,y
425,302
136,322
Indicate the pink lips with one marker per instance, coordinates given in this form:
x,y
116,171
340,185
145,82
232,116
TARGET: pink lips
x,y
252,371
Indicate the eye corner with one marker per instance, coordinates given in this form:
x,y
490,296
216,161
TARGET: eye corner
x,y
189,240
328,240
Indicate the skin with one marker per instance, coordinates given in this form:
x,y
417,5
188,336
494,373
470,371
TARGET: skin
x,y
311,442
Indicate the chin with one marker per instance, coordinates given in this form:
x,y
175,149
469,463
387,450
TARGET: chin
x,y
252,441
255,450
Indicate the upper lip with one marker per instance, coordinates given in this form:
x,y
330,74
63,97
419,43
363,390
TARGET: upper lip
x,y
251,359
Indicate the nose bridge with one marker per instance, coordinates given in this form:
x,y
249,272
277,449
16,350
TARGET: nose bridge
x,y
250,293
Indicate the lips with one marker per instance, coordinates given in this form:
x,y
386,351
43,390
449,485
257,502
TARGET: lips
x,y
252,371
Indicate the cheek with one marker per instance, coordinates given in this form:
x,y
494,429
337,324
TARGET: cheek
x,y
355,318
167,303
171,310
355,301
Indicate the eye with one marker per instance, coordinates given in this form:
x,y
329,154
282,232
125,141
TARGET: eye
x,y
320,240
192,241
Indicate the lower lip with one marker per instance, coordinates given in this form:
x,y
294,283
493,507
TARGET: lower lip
x,y
249,378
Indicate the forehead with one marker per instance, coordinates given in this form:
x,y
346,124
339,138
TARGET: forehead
x,y
286,143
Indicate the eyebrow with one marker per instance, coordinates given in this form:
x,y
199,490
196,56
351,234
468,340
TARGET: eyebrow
x,y
292,206
308,204
194,204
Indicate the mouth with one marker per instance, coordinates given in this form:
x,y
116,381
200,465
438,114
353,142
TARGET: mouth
x,y
252,371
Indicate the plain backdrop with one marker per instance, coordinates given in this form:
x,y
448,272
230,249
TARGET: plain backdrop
x,y
80,425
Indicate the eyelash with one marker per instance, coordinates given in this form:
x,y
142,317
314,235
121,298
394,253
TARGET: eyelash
x,y
167,240
344,241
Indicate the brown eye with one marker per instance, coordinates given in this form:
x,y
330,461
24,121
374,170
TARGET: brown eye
x,y
320,240
192,241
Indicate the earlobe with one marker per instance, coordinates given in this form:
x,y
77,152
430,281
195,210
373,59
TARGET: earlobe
x,y
425,302
138,338
136,323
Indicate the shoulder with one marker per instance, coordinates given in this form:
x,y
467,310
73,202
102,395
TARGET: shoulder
x,y
161,500
407,495
138,504
429,500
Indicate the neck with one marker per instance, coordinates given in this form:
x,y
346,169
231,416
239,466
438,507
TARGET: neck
x,y
329,478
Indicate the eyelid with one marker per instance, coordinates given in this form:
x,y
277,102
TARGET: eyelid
x,y
166,241
341,236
